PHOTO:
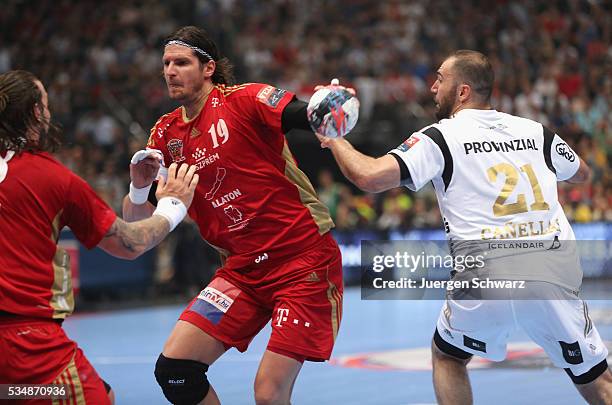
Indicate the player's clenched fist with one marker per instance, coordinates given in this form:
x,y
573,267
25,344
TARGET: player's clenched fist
x,y
181,183
144,167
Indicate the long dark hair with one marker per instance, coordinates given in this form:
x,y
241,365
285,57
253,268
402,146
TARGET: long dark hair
x,y
195,36
19,97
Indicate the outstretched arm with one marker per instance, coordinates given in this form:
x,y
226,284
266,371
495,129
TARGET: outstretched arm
x,y
370,174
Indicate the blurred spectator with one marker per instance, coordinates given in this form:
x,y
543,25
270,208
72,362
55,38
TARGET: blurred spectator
x,y
102,61
329,191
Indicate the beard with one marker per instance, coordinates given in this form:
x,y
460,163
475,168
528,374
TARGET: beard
x,y
444,109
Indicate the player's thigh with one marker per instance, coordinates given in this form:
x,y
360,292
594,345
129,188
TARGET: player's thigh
x,y
225,314
307,312
564,329
479,327
187,341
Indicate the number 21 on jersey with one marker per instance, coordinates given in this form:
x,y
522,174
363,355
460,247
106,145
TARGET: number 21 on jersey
x,y
500,208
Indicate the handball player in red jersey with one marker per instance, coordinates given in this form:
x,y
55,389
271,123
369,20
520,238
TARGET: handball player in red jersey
x,y
259,210
38,197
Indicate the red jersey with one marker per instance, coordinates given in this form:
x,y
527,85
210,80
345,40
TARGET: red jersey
x,y
252,202
38,197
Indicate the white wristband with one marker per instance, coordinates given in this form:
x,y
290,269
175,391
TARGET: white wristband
x,y
172,209
139,195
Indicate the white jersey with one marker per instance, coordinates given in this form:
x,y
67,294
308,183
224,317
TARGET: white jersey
x,y
495,176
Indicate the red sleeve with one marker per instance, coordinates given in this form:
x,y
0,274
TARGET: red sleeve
x,y
268,103
155,141
86,214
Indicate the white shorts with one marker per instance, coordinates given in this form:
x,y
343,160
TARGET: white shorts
x,y
561,326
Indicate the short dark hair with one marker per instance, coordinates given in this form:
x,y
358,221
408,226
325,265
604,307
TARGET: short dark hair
x,y
474,68
199,38
19,96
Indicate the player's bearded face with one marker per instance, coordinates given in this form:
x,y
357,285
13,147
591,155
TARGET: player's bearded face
x,y
183,73
445,102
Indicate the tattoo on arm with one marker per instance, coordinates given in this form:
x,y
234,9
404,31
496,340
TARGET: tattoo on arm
x,y
135,237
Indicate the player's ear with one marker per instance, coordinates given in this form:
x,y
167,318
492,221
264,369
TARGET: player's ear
x,y
464,92
209,69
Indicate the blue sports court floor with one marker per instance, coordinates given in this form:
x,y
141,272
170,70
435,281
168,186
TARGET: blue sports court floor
x,y
381,357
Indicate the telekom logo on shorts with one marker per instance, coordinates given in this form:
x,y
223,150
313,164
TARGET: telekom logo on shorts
x,y
282,314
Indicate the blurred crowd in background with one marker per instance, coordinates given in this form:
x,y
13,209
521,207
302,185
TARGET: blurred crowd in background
x,y
101,62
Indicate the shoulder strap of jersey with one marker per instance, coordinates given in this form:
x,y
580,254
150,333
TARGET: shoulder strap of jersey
x,y
548,139
435,135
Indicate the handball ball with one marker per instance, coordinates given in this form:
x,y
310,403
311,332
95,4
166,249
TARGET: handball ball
x,y
333,111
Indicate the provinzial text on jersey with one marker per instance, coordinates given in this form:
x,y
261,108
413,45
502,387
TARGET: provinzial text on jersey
x,y
505,146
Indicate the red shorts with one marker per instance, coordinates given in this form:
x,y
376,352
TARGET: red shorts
x,y
302,297
39,352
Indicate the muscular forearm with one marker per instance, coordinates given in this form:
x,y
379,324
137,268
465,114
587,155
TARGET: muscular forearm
x,y
133,212
128,240
354,165
369,174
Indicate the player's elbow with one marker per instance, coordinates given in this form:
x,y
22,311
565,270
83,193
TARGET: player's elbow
x,y
369,183
583,174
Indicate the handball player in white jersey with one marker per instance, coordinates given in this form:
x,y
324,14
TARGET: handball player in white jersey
x,y
495,176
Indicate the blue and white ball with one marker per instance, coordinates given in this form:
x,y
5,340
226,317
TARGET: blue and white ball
x,y
333,111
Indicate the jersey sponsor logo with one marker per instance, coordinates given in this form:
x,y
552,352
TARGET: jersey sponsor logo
x,y
504,146
261,258
282,315
201,160
313,277
571,352
499,127
206,161
270,95
233,213
198,154
237,218
195,133
215,102
175,148
221,201
409,143
215,187
564,150
161,130
215,300
474,344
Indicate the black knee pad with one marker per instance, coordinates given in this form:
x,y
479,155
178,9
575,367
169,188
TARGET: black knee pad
x,y
183,382
590,375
